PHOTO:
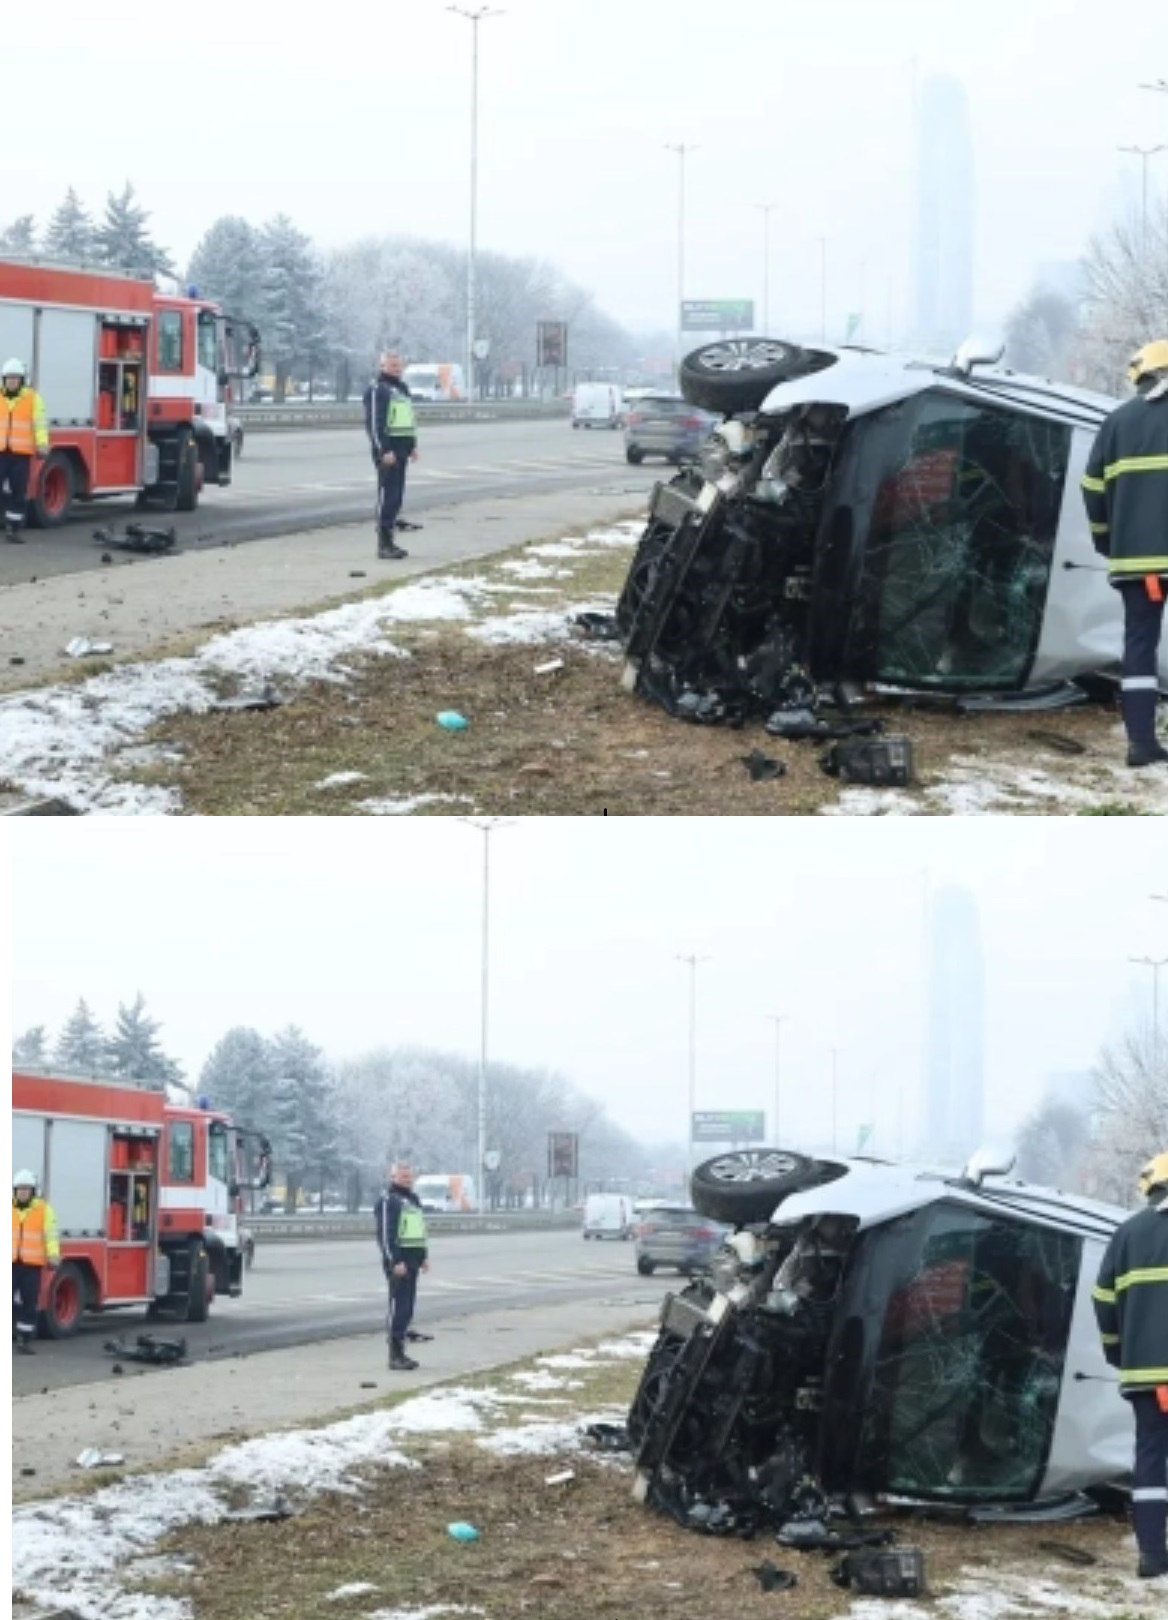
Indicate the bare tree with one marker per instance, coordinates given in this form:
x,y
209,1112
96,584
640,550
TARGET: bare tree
x,y
1126,272
1051,1146
1131,1083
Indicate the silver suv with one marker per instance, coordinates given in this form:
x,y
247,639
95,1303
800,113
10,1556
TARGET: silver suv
x,y
675,1235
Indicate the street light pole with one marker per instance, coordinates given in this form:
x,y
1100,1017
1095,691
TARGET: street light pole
x,y
693,963
834,1099
823,289
1155,963
778,1020
682,149
486,825
475,17
1144,153
766,210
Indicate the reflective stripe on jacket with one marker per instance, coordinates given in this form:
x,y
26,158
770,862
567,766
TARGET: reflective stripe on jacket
x,y
1125,488
23,428
34,1234
1131,1300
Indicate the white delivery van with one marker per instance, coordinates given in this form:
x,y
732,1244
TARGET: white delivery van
x,y
597,405
608,1215
435,383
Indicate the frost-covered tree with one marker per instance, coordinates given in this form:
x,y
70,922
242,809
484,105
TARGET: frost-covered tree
x,y
292,305
32,1047
1041,333
81,1048
19,238
1051,1145
134,1052
239,1076
71,233
124,239
228,266
303,1129
1131,1092
1126,272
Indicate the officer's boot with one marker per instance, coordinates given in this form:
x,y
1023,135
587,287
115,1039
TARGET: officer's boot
x,y
1139,718
24,1345
12,529
398,1360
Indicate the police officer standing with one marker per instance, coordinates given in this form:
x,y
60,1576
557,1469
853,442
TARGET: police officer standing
x,y
401,1236
1131,1306
24,435
1126,491
391,424
34,1250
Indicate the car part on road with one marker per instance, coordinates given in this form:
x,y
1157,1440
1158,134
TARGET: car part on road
x,y
82,647
141,538
608,1436
264,1513
891,1572
266,697
762,768
598,626
874,762
773,1579
148,1348
93,1458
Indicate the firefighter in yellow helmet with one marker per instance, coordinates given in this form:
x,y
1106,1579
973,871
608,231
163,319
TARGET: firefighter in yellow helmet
x,y
34,1250
1126,491
1131,1306
24,435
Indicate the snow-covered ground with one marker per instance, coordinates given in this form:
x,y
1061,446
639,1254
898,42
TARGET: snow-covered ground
x,y
981,787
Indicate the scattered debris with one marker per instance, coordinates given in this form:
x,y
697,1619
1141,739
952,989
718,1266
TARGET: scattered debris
x,y
93,1458
762,767
598,626
266,697
1068,1554
369,1383
1054,739
357,573
875,762
28,1472
550,667
892,1572
564,1478
82,647
608,1436
146,1347
460,1531
773,1579
264,1513
139,537
16,659
451,720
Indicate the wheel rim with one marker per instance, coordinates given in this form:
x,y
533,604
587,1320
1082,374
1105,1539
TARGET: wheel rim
x,y
743,1169
55,490
743,354
66,1301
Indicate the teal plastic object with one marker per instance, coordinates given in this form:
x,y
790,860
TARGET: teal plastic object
x,y
462,1532
451,720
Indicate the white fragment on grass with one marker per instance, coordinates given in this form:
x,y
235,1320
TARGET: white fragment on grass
x,y
569,1360
545,1380
352,1589
430,1612
340,779
407,807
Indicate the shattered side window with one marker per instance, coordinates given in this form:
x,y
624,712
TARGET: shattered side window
x,y
970,1358
960,506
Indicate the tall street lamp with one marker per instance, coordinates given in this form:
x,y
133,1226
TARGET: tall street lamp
x,y
682,149
1155,963
834,1099
1145,154
823,289
474,17
766,210
778,1020
486,825
693,963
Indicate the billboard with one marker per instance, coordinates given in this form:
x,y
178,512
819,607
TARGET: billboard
x,y
563,1153
727,1125
717,315
552,343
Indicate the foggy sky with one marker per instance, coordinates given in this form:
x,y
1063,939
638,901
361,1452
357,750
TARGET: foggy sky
x,y
358,123
368,932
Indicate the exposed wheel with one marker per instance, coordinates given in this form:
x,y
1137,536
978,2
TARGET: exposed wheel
x,y
743,1187
738,373
634,457
646,1267
186,497
65,1303
56,488
199,1291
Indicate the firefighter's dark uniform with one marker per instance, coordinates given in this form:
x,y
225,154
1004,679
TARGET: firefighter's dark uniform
x,y
401,1237
1131,1306
391,424
1126,492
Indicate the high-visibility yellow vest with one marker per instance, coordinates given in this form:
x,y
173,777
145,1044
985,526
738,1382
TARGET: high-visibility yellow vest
x,y
34,1234
411,1228
23,429
402,421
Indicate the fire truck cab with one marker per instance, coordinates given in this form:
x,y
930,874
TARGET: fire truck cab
x,y
148,1195
137,384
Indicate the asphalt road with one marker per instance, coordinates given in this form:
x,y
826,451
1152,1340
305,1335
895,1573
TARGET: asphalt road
x,y
290,481
301,1293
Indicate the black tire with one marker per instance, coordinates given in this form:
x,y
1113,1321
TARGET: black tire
x,y
186,492
52,504
199,1293
743,1187
738,373
646,1267
634,457
65,1304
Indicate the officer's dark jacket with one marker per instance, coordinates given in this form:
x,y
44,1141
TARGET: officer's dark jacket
x,y
377,401
387,1215
1131,1300
1126,488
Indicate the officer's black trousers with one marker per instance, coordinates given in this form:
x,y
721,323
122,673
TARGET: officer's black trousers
x,y
26,1287
1142,622
15,472
1150,1476
391,489
403,1295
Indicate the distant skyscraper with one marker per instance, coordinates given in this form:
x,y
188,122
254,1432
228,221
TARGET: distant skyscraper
x,y
954,1049
945,216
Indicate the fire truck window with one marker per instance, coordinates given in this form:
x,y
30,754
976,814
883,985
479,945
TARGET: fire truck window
x,y
218,1152
208,341
170,340
182,1151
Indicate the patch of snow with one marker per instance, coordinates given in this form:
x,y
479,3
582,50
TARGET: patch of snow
x,y
430,1612
406,807
340,779
445,1411
430,600
569,1359
632,1348
531,568
545,1380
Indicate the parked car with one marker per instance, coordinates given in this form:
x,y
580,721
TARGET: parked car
x,y
608,1215
871,520
676,1235
597,405
880,1328
665,425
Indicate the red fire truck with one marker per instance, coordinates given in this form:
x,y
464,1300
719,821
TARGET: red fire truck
x,y
137,384
148,1194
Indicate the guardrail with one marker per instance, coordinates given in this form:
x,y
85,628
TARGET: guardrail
x,y
285,1228
268,418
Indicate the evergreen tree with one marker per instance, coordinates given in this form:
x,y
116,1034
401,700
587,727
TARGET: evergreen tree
x,y
81,1048
71,233
134,1051
32,1047
19,238
124,239
239,1076
304,1135
293,321
227,265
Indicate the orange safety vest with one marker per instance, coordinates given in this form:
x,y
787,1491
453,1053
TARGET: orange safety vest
x,y
34,1234
22,422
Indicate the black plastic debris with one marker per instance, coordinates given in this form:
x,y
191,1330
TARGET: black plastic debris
x,y
598,626
1068,1554
762,768
264,697
147,1348
893,1572
773,1579
263,1513
798,725
871,761
608,1436
1071,746
139,537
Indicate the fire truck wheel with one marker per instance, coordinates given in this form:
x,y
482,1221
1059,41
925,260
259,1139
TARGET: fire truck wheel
x,y
187,490
199,1293
53,501
65,1302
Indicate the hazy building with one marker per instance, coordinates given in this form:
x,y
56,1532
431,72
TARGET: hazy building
x,y
945,216
955,1036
